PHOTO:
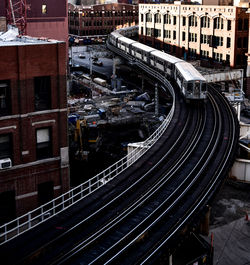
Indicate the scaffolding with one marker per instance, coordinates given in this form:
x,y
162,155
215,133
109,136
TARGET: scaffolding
x,y
16,14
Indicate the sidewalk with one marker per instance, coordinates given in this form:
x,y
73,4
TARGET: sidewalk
x,y
232,243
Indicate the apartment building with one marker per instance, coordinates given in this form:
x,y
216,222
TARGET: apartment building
x,y
101,19
33,124
212,33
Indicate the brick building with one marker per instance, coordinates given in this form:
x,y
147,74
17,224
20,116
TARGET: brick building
x,y
100,19
33,124
45,18
212,33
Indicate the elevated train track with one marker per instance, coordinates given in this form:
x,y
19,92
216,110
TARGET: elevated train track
x,y
132,218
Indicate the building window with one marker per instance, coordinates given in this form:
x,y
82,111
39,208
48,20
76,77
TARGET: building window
x,y
167,19
5,146
229,25
157,18
204,39
218,41
43,143
193,37
183,35
174,22
184,21
141,30
174,34
42,93
228,58
240,24
218,23
228,42
192,52
204,54
217,56
205,22
148,31
167,34
246,22
141,17
245,42
157,33
193,21
44,9
148,17
5,98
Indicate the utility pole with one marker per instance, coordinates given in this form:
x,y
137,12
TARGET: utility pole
x,y
90,64
156,100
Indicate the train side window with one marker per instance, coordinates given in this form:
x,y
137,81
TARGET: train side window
x,y
203,87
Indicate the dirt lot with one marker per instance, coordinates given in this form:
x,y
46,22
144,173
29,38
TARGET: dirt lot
x,y
231,203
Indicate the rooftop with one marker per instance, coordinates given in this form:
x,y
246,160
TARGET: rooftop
x,y
12,38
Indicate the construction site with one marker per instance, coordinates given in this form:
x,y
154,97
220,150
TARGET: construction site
x,y
105,115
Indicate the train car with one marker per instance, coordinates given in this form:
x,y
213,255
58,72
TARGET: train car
x,y
164,62
125,44
141,51
113,38
191,83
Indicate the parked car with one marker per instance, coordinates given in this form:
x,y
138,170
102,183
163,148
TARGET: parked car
x,y
81,56
98,63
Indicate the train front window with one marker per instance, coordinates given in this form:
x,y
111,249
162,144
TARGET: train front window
x,y
189,87
197,86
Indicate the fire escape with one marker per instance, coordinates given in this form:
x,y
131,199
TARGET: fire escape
x,y
16,14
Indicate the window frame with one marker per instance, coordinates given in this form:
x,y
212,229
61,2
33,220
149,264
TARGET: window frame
x,y
44,149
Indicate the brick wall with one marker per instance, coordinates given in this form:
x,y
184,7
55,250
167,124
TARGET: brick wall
x,y
19,65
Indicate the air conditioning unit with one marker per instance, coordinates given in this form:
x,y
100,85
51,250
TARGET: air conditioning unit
x,y
5,163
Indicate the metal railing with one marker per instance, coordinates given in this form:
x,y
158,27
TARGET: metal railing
x,y
39,215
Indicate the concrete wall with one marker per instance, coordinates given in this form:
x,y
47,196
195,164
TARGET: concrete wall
x,y
241,170
241,167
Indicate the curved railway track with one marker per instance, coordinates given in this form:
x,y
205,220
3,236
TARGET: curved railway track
x,y
170,202
134,217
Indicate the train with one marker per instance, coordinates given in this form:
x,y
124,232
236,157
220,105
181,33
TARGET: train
x,y
191,83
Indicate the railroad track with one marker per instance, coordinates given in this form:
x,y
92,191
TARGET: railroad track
x,y
140,231
134,217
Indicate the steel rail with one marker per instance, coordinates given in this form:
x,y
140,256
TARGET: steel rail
x,y
203,198
43,213
162,181
135,238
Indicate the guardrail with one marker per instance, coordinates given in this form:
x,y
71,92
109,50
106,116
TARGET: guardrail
x,y
39,215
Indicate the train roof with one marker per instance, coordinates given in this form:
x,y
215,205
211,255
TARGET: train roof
x,y
116,34
142,47
126,40
189,72
165,56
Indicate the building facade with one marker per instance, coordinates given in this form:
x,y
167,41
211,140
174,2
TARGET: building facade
x,y
101,19
213,33
33,124
45,18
